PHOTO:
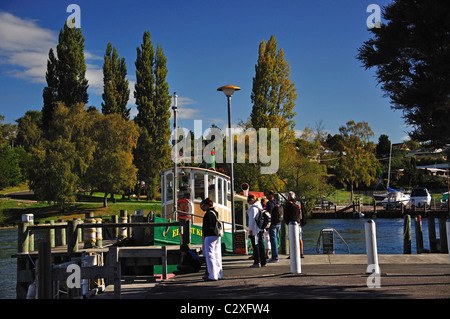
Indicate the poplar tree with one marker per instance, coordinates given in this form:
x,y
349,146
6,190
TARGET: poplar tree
x,y
145,82
273,94
162,103
116,90
50,94
152,153
66,81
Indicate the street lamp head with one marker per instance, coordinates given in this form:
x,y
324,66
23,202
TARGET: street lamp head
x,y
228,90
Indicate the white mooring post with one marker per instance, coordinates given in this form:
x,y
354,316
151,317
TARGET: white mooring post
x,y
294,248
371,248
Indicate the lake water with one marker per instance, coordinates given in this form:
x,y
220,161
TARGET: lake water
x,y
389,241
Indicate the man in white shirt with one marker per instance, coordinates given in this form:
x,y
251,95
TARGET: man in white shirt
x,y
259,255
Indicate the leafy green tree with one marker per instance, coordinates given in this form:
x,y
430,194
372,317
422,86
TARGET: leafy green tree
x,y
302,175
273,94
357,162
116,90
411,55
9,166
29,133
66,81
152,152
112,168
59,164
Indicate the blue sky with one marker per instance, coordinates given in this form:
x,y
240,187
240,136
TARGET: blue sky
x,y
208,44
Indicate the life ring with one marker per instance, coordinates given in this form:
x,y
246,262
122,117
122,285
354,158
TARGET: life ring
x,y
184,205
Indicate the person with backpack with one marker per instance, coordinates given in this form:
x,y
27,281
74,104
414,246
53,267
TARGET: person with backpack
x,y
211,241
190,261
293,213
256,233
276,212
264,202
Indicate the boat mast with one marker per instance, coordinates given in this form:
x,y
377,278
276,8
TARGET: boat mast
x,y
389,168
175,157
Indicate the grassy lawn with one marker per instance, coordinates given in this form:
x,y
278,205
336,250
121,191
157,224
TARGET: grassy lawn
x,y
342,197
11,210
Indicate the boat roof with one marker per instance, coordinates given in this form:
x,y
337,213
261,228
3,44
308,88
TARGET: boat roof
x,y
204,170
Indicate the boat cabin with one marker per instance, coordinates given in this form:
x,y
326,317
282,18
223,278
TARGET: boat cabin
x,y
194,185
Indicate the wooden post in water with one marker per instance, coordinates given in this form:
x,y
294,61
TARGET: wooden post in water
x,y
72,236
99,233
45,290
419,234
89,234
407,234
50,233
113,260
432,234
23,235
123,220
61,238
115,220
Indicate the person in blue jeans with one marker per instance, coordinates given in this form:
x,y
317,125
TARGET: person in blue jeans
x,y
274,226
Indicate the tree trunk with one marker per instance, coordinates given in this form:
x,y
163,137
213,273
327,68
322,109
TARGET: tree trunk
x,y
105,200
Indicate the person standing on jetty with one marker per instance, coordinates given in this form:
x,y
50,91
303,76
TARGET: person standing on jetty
x,y
275,225
212,242
253,229
293,213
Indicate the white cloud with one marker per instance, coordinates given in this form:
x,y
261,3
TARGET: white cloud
x,y
24,46
186,113
189,113
298,133
184,100
94,75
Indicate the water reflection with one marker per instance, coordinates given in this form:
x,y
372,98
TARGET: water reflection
x,y
389,235
8,247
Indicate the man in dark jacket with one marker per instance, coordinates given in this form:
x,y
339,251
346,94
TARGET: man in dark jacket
x,y
293,214
272,207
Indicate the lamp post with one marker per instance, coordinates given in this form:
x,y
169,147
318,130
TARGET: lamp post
x,y
228,90
175,158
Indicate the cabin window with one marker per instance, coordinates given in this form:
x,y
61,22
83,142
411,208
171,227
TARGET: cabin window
x,y
212,188
219,191
227,191
199,186
169,187
184,187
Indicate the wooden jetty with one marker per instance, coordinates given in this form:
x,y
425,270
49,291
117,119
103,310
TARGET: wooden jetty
x,y
46,273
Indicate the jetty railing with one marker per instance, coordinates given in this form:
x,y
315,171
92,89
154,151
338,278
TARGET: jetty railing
x,y
70,233
64,242
47,274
